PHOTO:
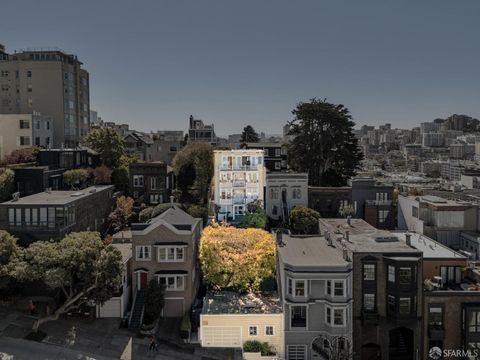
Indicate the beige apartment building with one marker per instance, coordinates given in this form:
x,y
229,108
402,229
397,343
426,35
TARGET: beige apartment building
x,y
20,131
15,133
51,82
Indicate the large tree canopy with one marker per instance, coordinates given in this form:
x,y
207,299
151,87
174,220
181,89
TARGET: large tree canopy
x,y
249,135
239,259
193,166
10,259
323,143
80,265
108,144
7,184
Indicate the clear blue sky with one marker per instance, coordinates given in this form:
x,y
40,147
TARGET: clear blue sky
x,y
153,63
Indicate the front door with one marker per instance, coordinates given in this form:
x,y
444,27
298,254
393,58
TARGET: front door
x,y
143,280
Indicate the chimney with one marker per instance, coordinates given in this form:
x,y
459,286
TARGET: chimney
x,y
171,200
347,235
408,239
345,254
349,220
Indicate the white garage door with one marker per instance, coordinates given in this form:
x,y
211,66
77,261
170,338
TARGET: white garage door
x,y
111,309
225,336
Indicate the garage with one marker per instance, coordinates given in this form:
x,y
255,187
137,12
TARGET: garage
x,y
111,309
222,336
173,307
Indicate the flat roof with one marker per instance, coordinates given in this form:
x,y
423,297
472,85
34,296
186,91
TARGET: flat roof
x,y
229,302
430,248
57,197
310,252
364,238
125,249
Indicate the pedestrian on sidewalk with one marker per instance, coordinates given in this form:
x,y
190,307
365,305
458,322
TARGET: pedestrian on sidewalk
x,y
153,344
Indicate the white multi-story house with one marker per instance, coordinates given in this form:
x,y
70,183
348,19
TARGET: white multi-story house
x,y
239,179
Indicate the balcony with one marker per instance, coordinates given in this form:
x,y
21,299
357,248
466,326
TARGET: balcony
x,y
239,200
239,183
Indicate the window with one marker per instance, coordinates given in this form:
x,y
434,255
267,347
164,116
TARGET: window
x,y
300,288
404,306
277,152
24,124
138,180
296,193
435,317
278,165
382,196
405,275
252,331
153,183
274,193
415,211
338,287
474,321
156,198
391,273
369,272
29,73
298,316
275,210
296,352
383,215
25,140
334,316
143,252
171,282
269,330
391,303
369,302
170,254
29,88
11,216
290,286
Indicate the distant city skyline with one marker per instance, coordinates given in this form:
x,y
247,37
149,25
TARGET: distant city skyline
x,y
154,63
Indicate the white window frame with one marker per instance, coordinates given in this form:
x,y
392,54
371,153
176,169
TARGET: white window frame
x,y
273,330
332,316
332,288
249,330
294,288
138,181
167,249
153,183
139,250
175,278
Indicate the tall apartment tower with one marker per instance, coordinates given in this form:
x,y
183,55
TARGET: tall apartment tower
x,y
51,82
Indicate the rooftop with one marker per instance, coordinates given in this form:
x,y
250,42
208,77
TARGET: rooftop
x,y
57,197
363,237
310,252
228,302
430,248
125,249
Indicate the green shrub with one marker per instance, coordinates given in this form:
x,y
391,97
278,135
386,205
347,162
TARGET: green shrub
x,y
185,327
145,214
265,349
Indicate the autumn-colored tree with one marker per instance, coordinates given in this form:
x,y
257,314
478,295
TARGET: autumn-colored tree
x,y
122,213
102,175
238,259
76,178
304,220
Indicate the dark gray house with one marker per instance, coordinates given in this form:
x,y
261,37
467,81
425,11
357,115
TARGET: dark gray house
x,y
53,214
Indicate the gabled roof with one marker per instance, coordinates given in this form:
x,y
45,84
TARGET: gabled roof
x,y
174,219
